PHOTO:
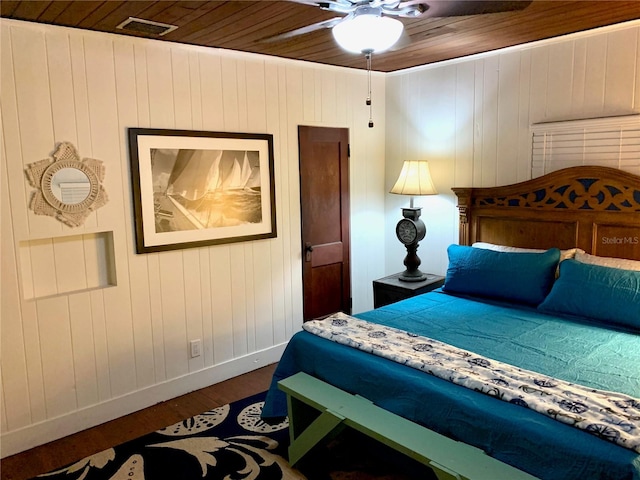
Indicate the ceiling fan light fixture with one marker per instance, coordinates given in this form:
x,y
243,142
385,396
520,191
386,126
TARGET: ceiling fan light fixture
x,y
367,33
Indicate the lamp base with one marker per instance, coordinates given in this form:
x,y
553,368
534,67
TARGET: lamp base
x,y
412,276
412,273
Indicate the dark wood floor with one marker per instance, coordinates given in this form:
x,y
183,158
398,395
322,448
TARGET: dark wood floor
x,y
75,447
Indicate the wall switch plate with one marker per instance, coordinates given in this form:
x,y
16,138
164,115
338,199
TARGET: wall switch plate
x,y
195,348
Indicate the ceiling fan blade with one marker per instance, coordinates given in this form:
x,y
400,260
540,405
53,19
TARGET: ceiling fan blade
x,y
339,6
303,30
453,8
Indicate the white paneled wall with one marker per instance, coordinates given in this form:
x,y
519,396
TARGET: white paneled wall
x,y
76,359
471,119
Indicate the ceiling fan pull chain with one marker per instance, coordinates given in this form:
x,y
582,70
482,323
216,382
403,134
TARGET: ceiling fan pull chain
x,y
368,102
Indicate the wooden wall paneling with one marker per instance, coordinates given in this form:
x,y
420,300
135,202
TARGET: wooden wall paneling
x,y
160,87
622,58
238,300
222,308
80,96
229,100
478,122
15,387
507,120
172,292
241,89
308,98
490,100
157,322
128,71
329,90
100,347
413,133
539,83
244,303
290,117
249,304
358,177
143,109
57,360
560,80
579,72
594,85
343,104
256,94
61,82
206,306
193,304
318,94
181,89
211,81
184,86
17,190
279,275
34,113
259,307
524,114
84,363
33,354
105,139
262,322
195,90
464,126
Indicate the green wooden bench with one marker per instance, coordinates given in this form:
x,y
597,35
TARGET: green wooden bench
x,y
317,409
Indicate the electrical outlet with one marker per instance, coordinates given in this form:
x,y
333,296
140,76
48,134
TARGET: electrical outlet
x,y
195,347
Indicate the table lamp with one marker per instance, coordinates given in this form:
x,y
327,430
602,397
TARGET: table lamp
x,y
414,179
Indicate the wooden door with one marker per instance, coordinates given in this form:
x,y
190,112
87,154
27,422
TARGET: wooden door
x,y
324,198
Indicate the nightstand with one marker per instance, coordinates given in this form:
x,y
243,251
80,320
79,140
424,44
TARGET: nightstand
x,y
391,289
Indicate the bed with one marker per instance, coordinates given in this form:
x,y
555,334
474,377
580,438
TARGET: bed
x,y
548,287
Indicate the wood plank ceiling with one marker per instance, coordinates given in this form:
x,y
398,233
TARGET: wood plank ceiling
x,y
243,25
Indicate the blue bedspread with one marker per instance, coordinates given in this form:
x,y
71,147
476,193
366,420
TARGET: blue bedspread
x,y
570,349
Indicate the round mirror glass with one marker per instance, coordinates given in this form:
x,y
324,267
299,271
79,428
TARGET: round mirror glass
x,y
70,186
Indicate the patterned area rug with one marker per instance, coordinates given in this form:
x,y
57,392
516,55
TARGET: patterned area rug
x,y
233,443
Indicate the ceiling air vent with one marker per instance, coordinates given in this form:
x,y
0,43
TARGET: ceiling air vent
x,y
139,25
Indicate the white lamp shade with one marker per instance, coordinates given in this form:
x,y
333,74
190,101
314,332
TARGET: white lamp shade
x,y
414,179
367,33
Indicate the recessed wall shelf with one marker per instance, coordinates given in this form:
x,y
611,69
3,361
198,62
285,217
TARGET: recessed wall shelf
x,y
68,264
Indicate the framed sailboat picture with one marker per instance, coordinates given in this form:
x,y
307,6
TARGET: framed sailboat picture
x,y
197,188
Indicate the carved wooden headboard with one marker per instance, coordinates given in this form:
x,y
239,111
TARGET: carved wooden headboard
x,y
594,208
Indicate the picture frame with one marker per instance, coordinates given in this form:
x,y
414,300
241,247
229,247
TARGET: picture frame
x,y
196,188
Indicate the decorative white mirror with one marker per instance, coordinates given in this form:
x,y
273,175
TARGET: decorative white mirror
x,y
68,188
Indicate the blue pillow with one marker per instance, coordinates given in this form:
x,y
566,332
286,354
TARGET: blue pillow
x,y
602,293
515,277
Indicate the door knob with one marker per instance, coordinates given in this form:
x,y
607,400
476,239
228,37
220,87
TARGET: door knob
x,y
308,248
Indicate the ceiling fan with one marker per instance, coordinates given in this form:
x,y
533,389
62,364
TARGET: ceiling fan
x,y
369,27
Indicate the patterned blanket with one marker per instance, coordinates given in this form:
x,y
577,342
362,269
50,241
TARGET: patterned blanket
x,y
612,416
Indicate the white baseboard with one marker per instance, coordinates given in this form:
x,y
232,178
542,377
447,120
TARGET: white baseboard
x,y
52,429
